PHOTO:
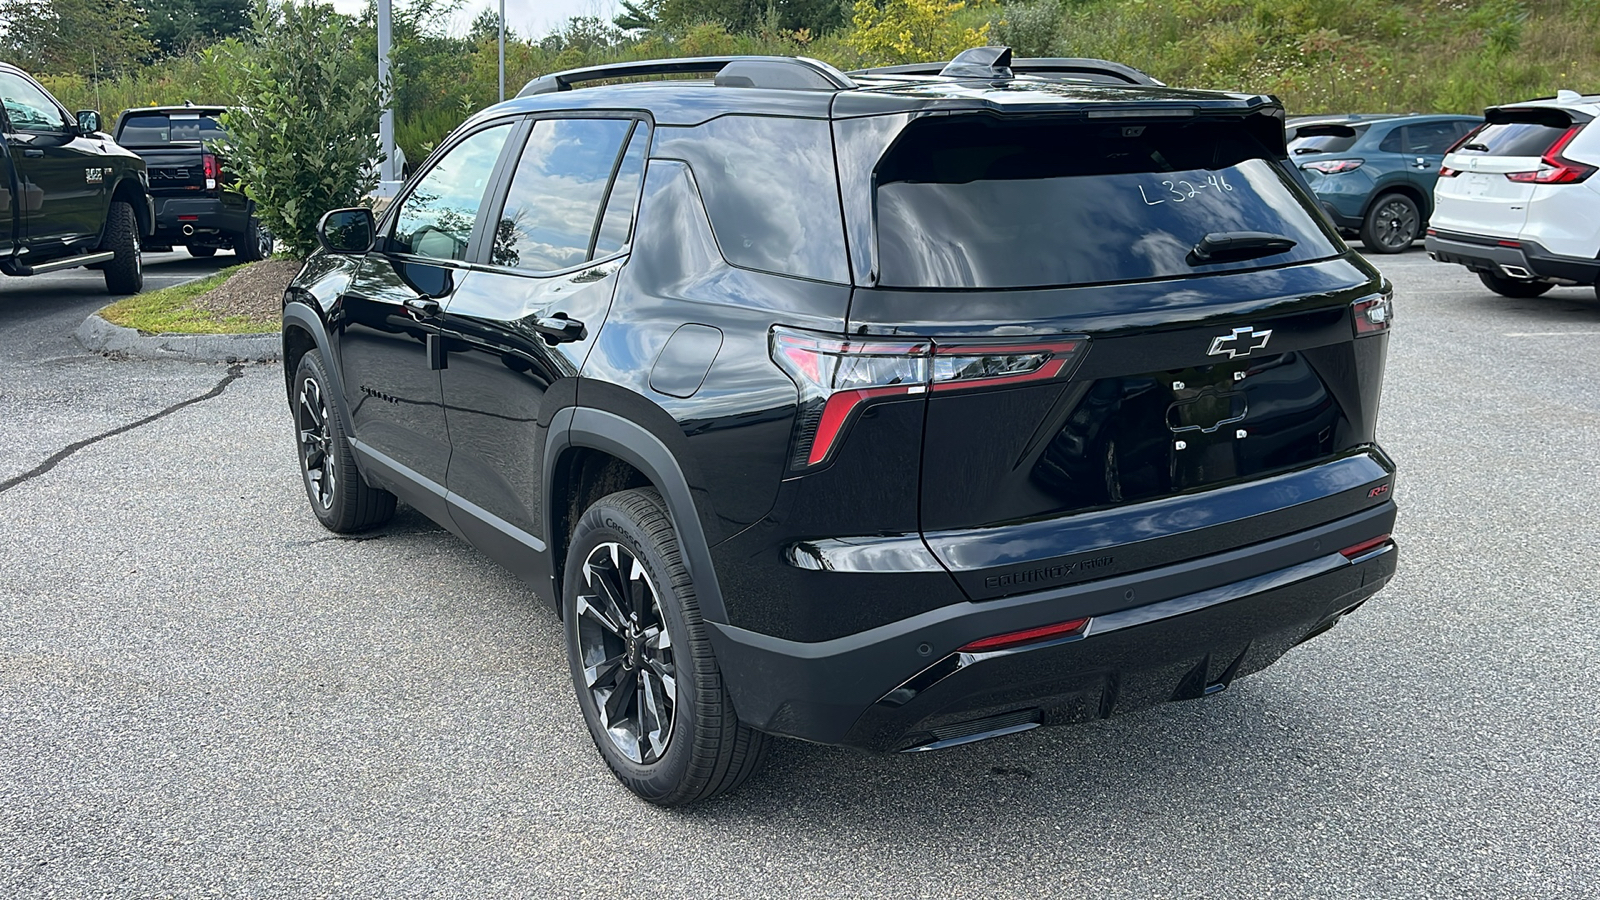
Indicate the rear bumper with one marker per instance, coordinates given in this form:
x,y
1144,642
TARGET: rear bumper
x,y
210,216
1486,254
1173,633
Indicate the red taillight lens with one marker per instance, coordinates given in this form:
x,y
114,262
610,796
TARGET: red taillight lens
x,y
212,169
1373,315
1334,166
1027,636
1447,172
837,376
1364,547
1555,168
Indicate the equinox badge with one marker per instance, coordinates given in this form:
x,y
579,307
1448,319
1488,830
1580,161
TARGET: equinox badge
x,y
1242,342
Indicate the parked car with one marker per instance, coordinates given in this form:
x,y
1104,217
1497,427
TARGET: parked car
x,y
1375,178
197,203
851,407
69,196
1518,202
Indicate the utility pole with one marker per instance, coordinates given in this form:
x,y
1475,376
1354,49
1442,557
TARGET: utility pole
x,y
387,176
502,50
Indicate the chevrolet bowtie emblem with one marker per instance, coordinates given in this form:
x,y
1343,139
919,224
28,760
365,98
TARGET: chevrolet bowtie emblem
x,y
1242,342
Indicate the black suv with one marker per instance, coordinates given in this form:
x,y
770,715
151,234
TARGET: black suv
x,y
69,196
896,409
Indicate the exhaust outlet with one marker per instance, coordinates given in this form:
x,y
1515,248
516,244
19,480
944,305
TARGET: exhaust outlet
x,y
188,230
1517,272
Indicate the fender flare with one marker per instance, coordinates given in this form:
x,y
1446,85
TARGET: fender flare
x,y
298,314
597,429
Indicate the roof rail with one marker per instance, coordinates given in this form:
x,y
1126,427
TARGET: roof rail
x,y
784,72
1038,66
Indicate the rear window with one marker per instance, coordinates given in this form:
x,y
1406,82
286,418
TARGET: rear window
x,y
147,129
1325,139
993,204
1514,139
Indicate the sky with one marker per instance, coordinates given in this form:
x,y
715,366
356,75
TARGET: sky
x,y
528,18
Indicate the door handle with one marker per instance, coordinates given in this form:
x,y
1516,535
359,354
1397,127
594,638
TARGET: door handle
x,y
32,152
558,328
425,305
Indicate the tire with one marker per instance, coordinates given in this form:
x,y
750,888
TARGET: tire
x,y
124,272
1391,225
341,501
1511,287
202,252
255,244
677,739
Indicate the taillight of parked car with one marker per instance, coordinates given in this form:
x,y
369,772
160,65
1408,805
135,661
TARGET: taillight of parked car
x,y
1446,171
1373,315
838,376
1555,168
1333,166
212,169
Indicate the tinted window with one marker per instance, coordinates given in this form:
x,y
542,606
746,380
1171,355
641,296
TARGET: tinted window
x,y
770,190
983,204
1335,139
28,107
1514,139
436,218
550,211
1431,137
616,227
1392,142
145,129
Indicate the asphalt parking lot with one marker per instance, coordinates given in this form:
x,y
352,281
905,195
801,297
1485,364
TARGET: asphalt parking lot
x,y
204,694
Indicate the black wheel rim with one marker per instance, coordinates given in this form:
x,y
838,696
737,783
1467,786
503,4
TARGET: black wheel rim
x,y
626,653
1397,224
263,243
316,457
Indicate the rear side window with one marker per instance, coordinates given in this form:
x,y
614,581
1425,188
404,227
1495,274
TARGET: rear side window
x,y
1514,139
150,129
616,227
984,203
770,190
548,221
1325,139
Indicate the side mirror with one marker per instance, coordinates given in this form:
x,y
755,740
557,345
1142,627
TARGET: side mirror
x,y
346,230
88,121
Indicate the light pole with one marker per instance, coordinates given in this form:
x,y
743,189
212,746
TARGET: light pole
x,y
387,176
502,50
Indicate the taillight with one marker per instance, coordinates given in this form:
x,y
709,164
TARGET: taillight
x,y
1555,168
1447,172
1029,636
838,376
213,171
1334,166
1373,315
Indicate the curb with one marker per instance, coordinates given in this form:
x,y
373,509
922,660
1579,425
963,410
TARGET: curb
x,y
101,336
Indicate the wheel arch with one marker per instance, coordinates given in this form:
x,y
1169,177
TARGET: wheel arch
x,y
1421,198
129,191
591,452
304,331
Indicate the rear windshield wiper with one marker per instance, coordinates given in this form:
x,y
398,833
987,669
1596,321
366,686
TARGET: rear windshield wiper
x,y
1481,148
1232,246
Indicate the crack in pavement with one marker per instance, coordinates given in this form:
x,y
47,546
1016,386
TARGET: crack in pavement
x,y
235,372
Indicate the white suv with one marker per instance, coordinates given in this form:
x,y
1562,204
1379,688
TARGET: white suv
x,y
1518,200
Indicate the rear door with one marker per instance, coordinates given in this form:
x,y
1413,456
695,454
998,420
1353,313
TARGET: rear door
x,y
61,176
1477,196
1103,398
521,324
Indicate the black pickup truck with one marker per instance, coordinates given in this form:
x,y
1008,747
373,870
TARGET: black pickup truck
x,y
69,196
197,202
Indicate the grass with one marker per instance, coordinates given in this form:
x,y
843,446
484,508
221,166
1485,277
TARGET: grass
x,y
172,310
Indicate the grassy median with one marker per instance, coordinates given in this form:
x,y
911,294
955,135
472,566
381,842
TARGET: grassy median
x,y
194,307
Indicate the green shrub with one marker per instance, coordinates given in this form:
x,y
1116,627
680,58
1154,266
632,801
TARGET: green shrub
x,y
1029,29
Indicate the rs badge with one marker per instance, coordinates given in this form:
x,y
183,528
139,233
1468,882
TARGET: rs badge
x,y
1242,342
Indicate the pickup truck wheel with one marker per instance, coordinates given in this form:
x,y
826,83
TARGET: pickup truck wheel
x,y
1511,287
125,272
1391,224
341,501
202,252
255,244
642,665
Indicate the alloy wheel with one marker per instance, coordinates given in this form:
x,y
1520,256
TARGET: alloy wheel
x,y
1397,224
627,653
316,443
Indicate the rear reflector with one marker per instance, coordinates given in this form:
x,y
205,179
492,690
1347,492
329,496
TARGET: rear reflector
x,y
1364,547
1026,636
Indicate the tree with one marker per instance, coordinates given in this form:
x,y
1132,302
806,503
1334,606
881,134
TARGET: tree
x,y
301,134
179,25
907,31
73,37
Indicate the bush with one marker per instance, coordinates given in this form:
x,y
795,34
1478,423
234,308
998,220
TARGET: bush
x,y
1029,29
908,31
300,135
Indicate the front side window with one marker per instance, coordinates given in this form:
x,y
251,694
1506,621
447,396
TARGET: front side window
x,y
28,107
548,222
436,218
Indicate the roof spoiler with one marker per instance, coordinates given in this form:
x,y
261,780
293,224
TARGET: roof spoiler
x,y
781,72
1032,66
